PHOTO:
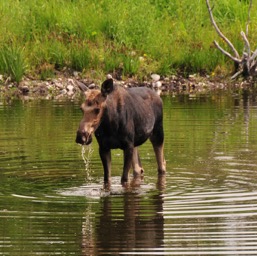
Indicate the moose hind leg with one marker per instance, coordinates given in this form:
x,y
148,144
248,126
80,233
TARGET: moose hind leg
x,y
136,164
128,158
157,140
158,150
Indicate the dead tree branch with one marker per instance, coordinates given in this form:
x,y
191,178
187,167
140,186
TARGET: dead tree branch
x,y
249,18
248,61
219,31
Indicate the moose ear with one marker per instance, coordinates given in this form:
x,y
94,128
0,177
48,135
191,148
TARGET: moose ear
x,y
82,86
107,87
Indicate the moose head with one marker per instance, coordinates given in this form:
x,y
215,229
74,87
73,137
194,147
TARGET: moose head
x,y
92,109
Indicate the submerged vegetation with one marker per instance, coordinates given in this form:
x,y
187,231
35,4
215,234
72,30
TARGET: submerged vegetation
x,y
130,38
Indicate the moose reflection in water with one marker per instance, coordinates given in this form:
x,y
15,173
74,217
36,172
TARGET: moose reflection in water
x,y
123,118
127,222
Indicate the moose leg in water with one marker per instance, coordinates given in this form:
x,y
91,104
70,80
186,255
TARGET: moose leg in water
x,y
106,158
136,164
127,162
157,140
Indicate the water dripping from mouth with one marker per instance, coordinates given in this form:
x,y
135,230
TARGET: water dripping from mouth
x,y
86,153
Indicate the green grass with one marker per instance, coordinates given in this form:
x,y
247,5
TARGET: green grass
x,y
12,62
101,35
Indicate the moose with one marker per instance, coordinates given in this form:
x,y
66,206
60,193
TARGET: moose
x,y
122,118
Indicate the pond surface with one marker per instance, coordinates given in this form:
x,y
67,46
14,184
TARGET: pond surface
x,y
52,199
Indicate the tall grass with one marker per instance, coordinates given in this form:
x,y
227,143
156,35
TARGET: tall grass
x,y
12,62
138,37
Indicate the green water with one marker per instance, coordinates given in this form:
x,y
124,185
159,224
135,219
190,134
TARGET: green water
x,y
52,202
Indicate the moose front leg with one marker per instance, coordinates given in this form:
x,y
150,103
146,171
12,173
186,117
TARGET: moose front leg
x,y
136,164
128,157
106,161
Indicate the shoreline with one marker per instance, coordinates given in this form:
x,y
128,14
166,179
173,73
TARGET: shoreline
x,y
66,87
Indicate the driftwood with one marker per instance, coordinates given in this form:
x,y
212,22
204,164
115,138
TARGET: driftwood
x,y
246,63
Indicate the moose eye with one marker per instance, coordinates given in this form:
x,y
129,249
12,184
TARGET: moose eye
x,y
97,110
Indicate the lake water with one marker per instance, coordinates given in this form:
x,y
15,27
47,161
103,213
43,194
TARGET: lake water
x,y
52,199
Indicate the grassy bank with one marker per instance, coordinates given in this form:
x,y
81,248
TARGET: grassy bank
x,y
134,38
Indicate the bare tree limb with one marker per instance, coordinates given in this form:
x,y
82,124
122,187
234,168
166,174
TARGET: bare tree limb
x,y
249,17
246,55
219,31
246,64
238,73
254,55
247,44
226,53
253,66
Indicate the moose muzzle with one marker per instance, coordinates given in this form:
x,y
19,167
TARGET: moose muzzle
x,y
83,138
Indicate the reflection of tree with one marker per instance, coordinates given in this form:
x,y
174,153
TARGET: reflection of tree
x,y
229,128
246,105
130,221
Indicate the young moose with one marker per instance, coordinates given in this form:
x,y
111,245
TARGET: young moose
x,y
122,118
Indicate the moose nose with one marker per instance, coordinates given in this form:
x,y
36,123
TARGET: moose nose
x,y
83,138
